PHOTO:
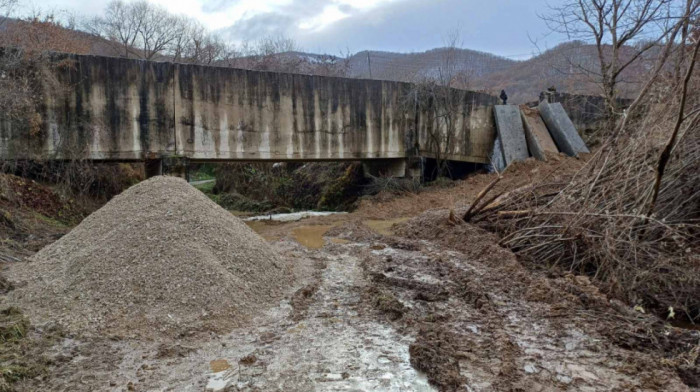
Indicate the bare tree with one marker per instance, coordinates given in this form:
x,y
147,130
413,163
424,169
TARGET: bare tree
x,y
185,30
6,8
140,29
623,32
158,29
436,96
120,25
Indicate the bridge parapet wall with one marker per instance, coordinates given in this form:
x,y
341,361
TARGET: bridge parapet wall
x,y
122,109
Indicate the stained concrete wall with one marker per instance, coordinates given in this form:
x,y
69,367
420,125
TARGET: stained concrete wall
x,y
119,109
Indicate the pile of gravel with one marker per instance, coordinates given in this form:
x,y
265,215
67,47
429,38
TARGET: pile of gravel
x,y
159,259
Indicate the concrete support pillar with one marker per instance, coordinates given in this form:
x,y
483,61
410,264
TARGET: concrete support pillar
x,y
153,167
177,167
385,168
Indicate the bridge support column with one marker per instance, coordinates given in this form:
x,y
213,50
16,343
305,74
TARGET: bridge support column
x,y
396,168
177,167
153,167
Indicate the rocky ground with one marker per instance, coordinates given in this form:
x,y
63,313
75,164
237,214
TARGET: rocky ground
x,y
398,298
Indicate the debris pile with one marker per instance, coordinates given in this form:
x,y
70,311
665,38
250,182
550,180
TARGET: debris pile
x,y
159,259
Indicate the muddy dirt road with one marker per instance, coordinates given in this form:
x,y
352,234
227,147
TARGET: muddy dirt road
x,y
384,312
396,299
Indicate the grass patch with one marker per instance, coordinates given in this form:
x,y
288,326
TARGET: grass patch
x,y
206,188
13,325
20,358
50,221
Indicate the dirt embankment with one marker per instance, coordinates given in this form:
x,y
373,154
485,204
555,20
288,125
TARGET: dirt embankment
x,y
33,215
460,193
542,309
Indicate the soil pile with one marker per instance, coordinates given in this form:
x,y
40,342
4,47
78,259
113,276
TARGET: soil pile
x,y
160,258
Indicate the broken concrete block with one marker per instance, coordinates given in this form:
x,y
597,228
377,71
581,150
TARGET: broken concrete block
x,y
510,130
539,141
562,129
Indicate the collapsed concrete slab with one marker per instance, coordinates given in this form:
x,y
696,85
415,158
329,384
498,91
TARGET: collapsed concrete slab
x,y
562,129
510,130
539,141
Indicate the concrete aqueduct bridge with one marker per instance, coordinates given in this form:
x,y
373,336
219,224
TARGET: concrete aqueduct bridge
x,y
113,109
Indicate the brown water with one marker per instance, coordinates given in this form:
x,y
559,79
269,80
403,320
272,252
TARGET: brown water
x,y
219,365
311,236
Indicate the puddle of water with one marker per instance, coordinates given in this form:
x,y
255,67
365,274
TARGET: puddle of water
x,y
341,241
219,365
383,227
291,217
311,236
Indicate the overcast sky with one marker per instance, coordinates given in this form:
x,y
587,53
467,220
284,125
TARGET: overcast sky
x,y
333,26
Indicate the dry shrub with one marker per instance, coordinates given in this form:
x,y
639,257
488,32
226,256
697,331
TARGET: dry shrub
x,y
605,224
314,185
74,178
393,185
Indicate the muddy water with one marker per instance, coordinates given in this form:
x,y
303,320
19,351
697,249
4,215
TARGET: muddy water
x,y
219,365
311,236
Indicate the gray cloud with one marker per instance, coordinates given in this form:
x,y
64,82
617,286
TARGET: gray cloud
x,y
499,26
212,6
261,25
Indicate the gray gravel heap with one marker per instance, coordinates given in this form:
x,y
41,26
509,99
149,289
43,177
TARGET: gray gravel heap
x,y
159,259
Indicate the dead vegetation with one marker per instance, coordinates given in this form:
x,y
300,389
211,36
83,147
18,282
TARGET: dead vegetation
x,y
263,187
630,218
22,357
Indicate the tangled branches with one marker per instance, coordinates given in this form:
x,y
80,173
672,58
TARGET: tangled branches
x,y
630,218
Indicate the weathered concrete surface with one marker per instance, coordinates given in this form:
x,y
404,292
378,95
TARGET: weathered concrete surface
x,y
119,109
511,133
539,141
562,129
585,111
475,129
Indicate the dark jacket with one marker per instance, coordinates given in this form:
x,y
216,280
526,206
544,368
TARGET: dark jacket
x,y
504,96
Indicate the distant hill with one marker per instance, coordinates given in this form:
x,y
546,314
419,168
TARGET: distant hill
x,y
53,37
523,80
416,66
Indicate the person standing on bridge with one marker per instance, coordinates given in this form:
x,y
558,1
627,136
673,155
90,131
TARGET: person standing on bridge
x,y
504,96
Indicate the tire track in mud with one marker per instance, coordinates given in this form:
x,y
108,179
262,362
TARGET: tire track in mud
x,y
389,313
324,341
495,325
